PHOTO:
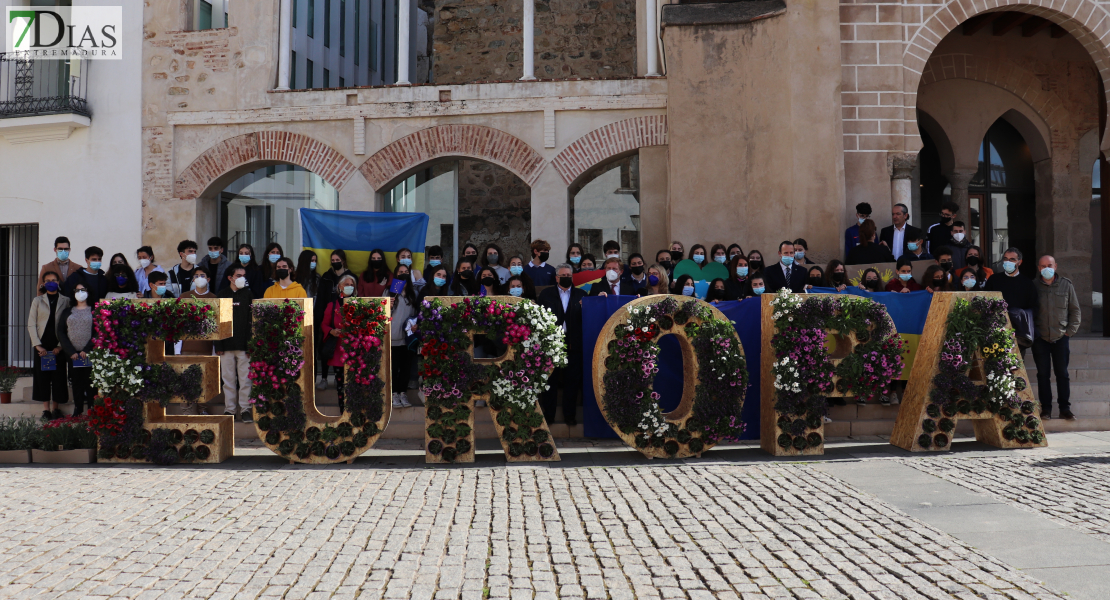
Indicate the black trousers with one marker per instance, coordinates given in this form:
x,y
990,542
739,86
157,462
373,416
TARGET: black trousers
x,y
399,371
83,392
50,385
569,379
339,387
1049,357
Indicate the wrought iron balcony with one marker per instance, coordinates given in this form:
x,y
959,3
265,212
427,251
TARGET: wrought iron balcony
x,y
42,87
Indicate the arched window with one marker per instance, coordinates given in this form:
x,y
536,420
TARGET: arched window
x,y
607,207
262,206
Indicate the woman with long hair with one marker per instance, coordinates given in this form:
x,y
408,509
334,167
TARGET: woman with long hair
x,y
273,253
332,325
463,282
306,274
376,278
403,308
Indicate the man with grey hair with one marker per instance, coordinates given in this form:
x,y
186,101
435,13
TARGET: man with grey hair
x,y
565,301
1057,320
897,235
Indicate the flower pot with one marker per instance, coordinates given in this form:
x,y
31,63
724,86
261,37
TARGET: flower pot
x,y
81,456
5,397
14,457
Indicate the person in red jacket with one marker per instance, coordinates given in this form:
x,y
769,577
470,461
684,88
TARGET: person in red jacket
x,y
904,281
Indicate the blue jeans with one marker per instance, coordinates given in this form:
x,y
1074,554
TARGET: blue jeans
x,y
1052,356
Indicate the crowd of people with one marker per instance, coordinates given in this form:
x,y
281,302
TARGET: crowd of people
x,y
1045,311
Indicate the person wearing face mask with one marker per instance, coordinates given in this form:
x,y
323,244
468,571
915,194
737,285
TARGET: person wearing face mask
x,y
329,281
215,262
202,289
851,235
403,307
589,263
699,255
959,245
1020,295
903,281
306,273
93,278
716,293
611,249
719,254
758,287
470,252
815,278
871,281
273,252
635,276
159,288
496,260
516,269
48,387
973,259
684,286
565,302
1057,319
676,251
181,275
121,283
663,259
519,287
755,263
119,259
737,286
541,273
734,250
869,252
836,275
944,261
464,283
785,274
488,283
377,277
939,234
658,282
234,361
936,280
61,265
404,257
968,281
801,252
245,258
437,285
145,255
610,285
574,256
284,284
433,256
75,335
915,248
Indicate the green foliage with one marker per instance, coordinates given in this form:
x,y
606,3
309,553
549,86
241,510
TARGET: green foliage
x,y
18,433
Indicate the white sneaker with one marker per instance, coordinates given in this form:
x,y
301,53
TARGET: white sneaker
x,y
322,384
894,398
404,398
828,419
397,401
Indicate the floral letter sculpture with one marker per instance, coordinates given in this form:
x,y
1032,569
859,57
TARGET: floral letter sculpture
x,y
454,379
798,372
285,412
715,375
135,380
968,367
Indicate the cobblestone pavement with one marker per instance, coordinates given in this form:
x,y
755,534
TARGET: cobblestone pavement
x,y
1071,490
697,532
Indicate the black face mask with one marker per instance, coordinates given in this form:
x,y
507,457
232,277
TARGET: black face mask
x,y
565,282
638,270
973,261
947,266
377,264
871,284
938,283
666,264
676,255
755,265
465,274
488,281
337,266
281,273
816,282
544,256
838,277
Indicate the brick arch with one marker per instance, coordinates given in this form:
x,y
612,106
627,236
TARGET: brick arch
x,y
1085,20
606,142
280,146
472,141
1009,76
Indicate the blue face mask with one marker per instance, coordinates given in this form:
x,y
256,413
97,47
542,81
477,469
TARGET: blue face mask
x,y
516,269
273,257
63,255
575,260
434,263
799,255
788,260
758,291
244,258
405,261
439,281
213,254
653,280
720,259
51,286
742,271
1048,272
516,291
911,246
95,265
312,265
969,283
698,258
161,290
1009,266
905,276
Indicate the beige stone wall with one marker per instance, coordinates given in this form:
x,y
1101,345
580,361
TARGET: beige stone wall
x,y
481,40
494,206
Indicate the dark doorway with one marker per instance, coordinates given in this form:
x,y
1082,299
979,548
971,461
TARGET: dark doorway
x,y
1003,197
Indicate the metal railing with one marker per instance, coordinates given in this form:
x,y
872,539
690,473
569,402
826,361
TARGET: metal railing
x,y
31,87
18,282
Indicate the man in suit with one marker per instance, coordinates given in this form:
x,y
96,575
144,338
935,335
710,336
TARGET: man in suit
x,y
785,274
612,285
565,301
895,236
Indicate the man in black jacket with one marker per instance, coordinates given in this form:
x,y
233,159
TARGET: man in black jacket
x,y
895,236
785,274
234,362
565,301
92,277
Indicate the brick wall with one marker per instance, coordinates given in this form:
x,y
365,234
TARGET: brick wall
x,y
481,40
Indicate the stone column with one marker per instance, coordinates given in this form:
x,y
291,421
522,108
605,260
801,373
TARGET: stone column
x,y
403,43
900,168
958,179
652,38
285,34
529,40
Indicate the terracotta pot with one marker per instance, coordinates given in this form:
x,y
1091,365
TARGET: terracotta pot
x,y
5,397
15,456
82,456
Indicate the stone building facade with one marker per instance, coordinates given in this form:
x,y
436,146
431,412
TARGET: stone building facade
x,y
770,119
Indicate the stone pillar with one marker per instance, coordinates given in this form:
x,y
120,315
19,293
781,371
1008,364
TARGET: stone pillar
x,y
652,14
900,168
958,179
285,25
403,36
529,40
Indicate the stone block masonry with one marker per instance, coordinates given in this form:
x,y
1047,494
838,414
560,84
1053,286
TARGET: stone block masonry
x,y
482,40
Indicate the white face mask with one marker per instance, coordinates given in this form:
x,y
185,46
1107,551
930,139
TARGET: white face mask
x,y
612,275
959,237
81,295
348,290
201,282
191,259
240,282
614,255
144,262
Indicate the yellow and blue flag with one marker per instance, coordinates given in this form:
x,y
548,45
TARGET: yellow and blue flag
x,y
358,232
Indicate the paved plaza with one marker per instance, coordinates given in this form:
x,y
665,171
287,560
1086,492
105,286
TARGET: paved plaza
x,y
865,521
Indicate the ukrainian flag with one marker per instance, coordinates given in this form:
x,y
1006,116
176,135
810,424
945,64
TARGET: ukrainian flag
x,y
908,311
358,232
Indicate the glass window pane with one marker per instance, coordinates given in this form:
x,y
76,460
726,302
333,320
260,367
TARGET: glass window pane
x,y
431,191
608,208
262,208
204,20
1000,224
